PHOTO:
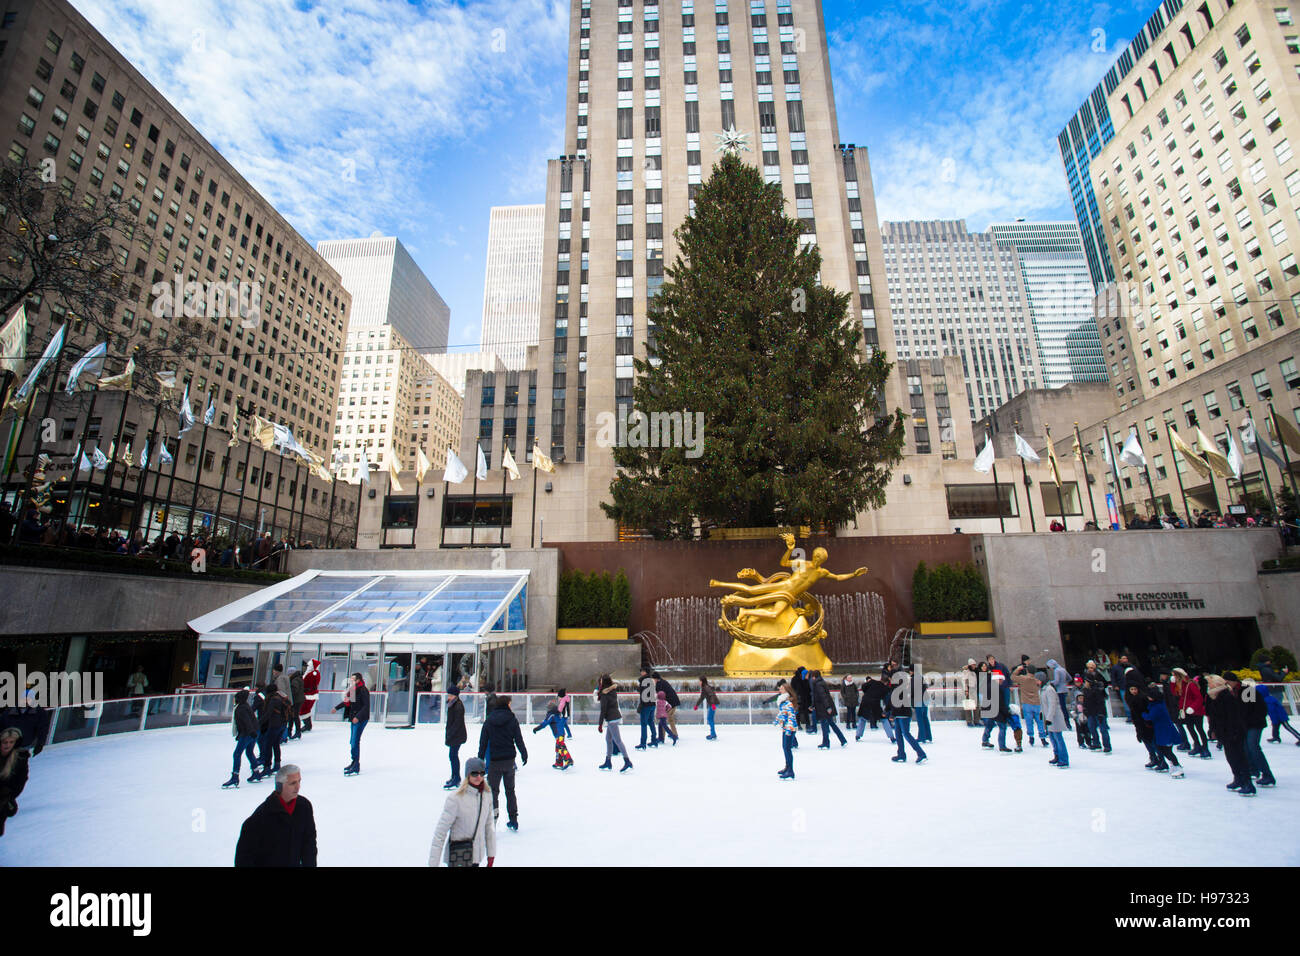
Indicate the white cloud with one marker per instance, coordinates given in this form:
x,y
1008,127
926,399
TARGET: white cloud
x,y
978,100
333,112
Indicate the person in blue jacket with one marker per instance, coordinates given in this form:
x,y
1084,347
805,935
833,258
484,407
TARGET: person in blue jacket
x,y
1278,715
1166,733
560,727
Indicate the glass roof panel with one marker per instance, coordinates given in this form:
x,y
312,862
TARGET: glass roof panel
x,y
467,605
294,608
376,609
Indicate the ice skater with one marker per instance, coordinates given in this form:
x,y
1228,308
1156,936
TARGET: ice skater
x,y
1227,718
1054,717
1164,733
1256,712
554,719
466,831
1278,715
310,691
662,710
358,711
501,728
13,772
611,719
708,697
455,735
824,710
900,705
245,723
282,830
1031,705
1191,707
787,719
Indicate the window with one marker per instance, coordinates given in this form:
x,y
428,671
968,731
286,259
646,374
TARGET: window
x,y
1211,406
1262,388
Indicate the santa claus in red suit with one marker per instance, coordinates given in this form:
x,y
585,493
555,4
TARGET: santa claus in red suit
x,y
311,688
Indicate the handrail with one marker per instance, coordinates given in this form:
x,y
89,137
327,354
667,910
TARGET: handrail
x,y
215,706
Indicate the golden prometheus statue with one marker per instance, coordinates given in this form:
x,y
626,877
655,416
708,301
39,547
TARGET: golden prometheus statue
x,y
777,627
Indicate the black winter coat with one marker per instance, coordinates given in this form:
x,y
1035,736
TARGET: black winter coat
x,y
361,703
670,695
849,696
873,692
456,733
274,837
609,706
11,788
802,689
501,732
1255,713
824,704
1094,696
277,712
297,693
245,719
1227,717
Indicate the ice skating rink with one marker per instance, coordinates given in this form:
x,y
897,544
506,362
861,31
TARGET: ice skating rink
x,y
154,799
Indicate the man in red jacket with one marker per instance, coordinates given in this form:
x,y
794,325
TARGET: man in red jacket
x,y
311,691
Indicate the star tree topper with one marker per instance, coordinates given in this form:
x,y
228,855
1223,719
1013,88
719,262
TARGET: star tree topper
x,y
730,141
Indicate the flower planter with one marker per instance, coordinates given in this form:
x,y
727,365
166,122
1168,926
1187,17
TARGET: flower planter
x,y
599,634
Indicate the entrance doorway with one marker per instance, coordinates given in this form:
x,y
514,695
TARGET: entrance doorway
x,y
1211,645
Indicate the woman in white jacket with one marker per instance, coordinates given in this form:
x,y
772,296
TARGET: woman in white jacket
x,y
467,815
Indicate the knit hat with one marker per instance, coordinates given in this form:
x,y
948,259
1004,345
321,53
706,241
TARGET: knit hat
x,y
475,765
453,690
1180,672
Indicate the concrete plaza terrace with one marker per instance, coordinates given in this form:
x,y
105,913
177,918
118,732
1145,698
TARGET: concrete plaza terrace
x,y
154,799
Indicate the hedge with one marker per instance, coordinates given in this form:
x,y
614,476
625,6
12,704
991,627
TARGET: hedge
x,y
949,592
593,600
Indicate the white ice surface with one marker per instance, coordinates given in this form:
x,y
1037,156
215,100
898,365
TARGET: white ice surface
x,y
154,799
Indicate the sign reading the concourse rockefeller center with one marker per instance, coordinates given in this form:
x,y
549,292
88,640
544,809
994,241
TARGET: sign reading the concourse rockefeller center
x,y
1155,601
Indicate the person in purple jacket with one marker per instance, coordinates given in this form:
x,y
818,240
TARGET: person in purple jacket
x,y
1166,733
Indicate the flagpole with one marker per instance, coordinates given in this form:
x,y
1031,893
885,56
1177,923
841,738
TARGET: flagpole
x,y
532,514
356,522
503,499
1285,456
1259,453
139,482
248,454
221,494
442,514
473,513
1092,505
112,465
157,479
38,444
1024,471
1174,451
275,492
329,522
76,465
299,492
198,474
1056,473
1114,465
261,483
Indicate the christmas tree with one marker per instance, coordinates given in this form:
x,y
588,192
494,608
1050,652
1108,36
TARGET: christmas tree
x,y
795,429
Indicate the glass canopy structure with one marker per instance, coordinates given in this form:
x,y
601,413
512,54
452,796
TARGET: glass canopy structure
x,y
404,631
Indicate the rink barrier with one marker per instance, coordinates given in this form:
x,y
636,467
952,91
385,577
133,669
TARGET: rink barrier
x,y
200,708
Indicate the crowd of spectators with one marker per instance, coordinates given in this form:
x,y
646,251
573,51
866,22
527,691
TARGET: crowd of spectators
x,y
1287,524
257,552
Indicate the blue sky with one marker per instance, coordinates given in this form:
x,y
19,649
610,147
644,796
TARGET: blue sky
x,y
415,118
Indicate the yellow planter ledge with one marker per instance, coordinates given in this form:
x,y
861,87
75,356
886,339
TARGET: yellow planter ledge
x,y
565,634
929,628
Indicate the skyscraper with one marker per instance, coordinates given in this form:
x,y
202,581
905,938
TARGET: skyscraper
x,y
650,89
1059,290
1090,129
388,288
954,292
512,284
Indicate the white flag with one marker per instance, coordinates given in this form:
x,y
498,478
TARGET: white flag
x,y
211,413
51,350
480,470
166,379
363,470
455,472
100,461
1132,453
508,463
85,463
1251,444
1023,449
422,465
984,460
187,414
92,362
13,340
164,456
1105,450
393,483
144,456
1234,457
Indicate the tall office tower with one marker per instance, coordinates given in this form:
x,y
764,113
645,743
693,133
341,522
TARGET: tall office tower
x,y
512,285
1091,128
435,415
651,87
72,99
388,288
1198,189
954,292
377,398
1059,290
